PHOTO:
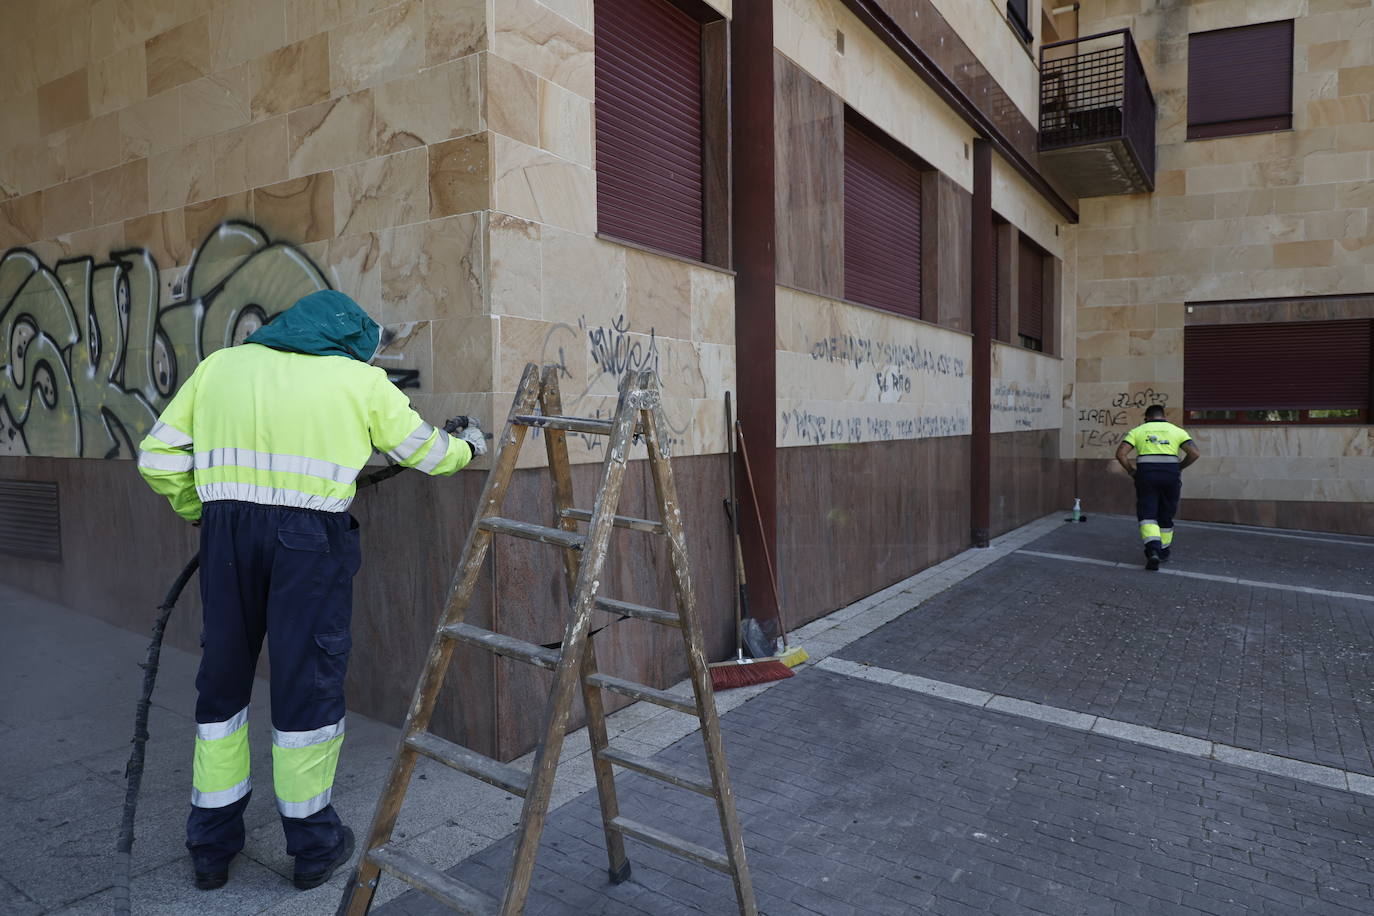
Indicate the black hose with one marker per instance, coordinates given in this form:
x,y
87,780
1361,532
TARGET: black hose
x,y
133,771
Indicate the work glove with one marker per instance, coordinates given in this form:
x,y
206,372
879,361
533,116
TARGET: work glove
x,y
474,437
466,428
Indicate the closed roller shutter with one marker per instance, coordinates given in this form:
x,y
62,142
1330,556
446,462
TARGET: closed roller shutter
x,y
882,226
29,521
1240,80
1031,280
996,277
1294,365
649,125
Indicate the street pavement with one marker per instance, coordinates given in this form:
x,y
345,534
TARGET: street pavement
x,y
1040,727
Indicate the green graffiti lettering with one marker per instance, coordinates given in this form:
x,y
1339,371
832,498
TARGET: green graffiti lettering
x,y
91,354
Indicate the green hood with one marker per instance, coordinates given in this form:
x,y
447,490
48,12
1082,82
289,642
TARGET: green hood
x,y
324,323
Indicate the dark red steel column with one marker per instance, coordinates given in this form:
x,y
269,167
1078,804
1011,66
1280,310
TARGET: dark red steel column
x,y
751,62
980,480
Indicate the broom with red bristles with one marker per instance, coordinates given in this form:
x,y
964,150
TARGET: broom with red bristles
x,y
763,667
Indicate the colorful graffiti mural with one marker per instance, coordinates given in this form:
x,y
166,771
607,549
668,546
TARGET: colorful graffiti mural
x,y
93,354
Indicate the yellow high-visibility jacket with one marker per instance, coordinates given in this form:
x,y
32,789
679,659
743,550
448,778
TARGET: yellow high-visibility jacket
x,y
1158,442
265,425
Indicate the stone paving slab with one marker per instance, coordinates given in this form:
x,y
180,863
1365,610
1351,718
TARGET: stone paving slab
x,y
858,797
1338,562
1169,741
1279,672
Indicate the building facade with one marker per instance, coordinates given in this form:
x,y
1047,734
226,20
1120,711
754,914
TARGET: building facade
x,y
941,252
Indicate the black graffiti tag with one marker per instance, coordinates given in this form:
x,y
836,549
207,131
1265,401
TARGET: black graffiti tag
x,y
615,351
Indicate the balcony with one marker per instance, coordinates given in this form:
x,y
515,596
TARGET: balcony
x,y
1097,115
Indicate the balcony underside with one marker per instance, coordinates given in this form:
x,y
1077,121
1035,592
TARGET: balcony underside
x,y
1098,169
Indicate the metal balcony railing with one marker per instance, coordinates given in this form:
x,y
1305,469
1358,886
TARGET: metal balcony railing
x,y
1097,115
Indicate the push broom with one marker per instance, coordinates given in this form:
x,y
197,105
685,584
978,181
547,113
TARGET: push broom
x,y
790,656
762,668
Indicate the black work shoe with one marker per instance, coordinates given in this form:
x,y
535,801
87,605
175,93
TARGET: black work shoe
x,y
1164,555
212,880
1152,559
305,882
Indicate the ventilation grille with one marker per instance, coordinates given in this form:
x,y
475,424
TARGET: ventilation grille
x,y
29,520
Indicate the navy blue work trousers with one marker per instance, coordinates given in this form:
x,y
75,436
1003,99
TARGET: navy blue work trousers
x,y
285,574
1157,490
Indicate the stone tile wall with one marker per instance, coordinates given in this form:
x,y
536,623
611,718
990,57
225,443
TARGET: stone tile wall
x,y
983,26
350,133
558,293
848,373
1027,389
873,82
1283,214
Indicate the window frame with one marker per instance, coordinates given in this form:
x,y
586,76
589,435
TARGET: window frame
x,y
1192,418
715,247
1003,239
1025,244
1203,125
1305,348
924,310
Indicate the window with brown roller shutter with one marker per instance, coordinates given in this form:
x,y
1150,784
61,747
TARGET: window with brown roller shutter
x,y
882,225
1030,276
1240,80
649,125
998,297
1286,372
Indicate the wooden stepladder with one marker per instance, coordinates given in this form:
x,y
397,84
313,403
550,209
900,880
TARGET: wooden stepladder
x,y
537,405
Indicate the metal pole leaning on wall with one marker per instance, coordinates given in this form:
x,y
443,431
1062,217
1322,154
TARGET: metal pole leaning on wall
x,y
980,478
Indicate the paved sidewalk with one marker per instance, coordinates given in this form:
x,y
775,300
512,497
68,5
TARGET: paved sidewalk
x,y
1031,728
1275,670
915,788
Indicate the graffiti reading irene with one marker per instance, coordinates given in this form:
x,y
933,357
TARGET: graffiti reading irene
x,y
91,352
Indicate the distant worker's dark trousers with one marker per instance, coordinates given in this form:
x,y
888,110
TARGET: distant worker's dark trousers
x,y
285,574
1157,489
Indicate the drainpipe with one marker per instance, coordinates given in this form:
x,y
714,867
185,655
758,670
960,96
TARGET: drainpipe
x,y
751,63
980,478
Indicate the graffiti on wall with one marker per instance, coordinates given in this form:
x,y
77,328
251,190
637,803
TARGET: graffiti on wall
x,y
612,349
1020,405
1104,427
93,353
902,392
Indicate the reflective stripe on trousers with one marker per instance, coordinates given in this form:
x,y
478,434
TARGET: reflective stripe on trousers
x,y
219,772
303,765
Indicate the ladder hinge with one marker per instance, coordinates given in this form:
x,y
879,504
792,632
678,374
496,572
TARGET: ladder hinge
x,y
644,398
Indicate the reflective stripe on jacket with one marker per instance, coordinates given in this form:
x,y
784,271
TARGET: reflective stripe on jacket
x,y
286,429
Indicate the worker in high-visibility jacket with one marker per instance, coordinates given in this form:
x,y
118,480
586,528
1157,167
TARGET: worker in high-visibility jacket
x,y
261,447
1162,450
